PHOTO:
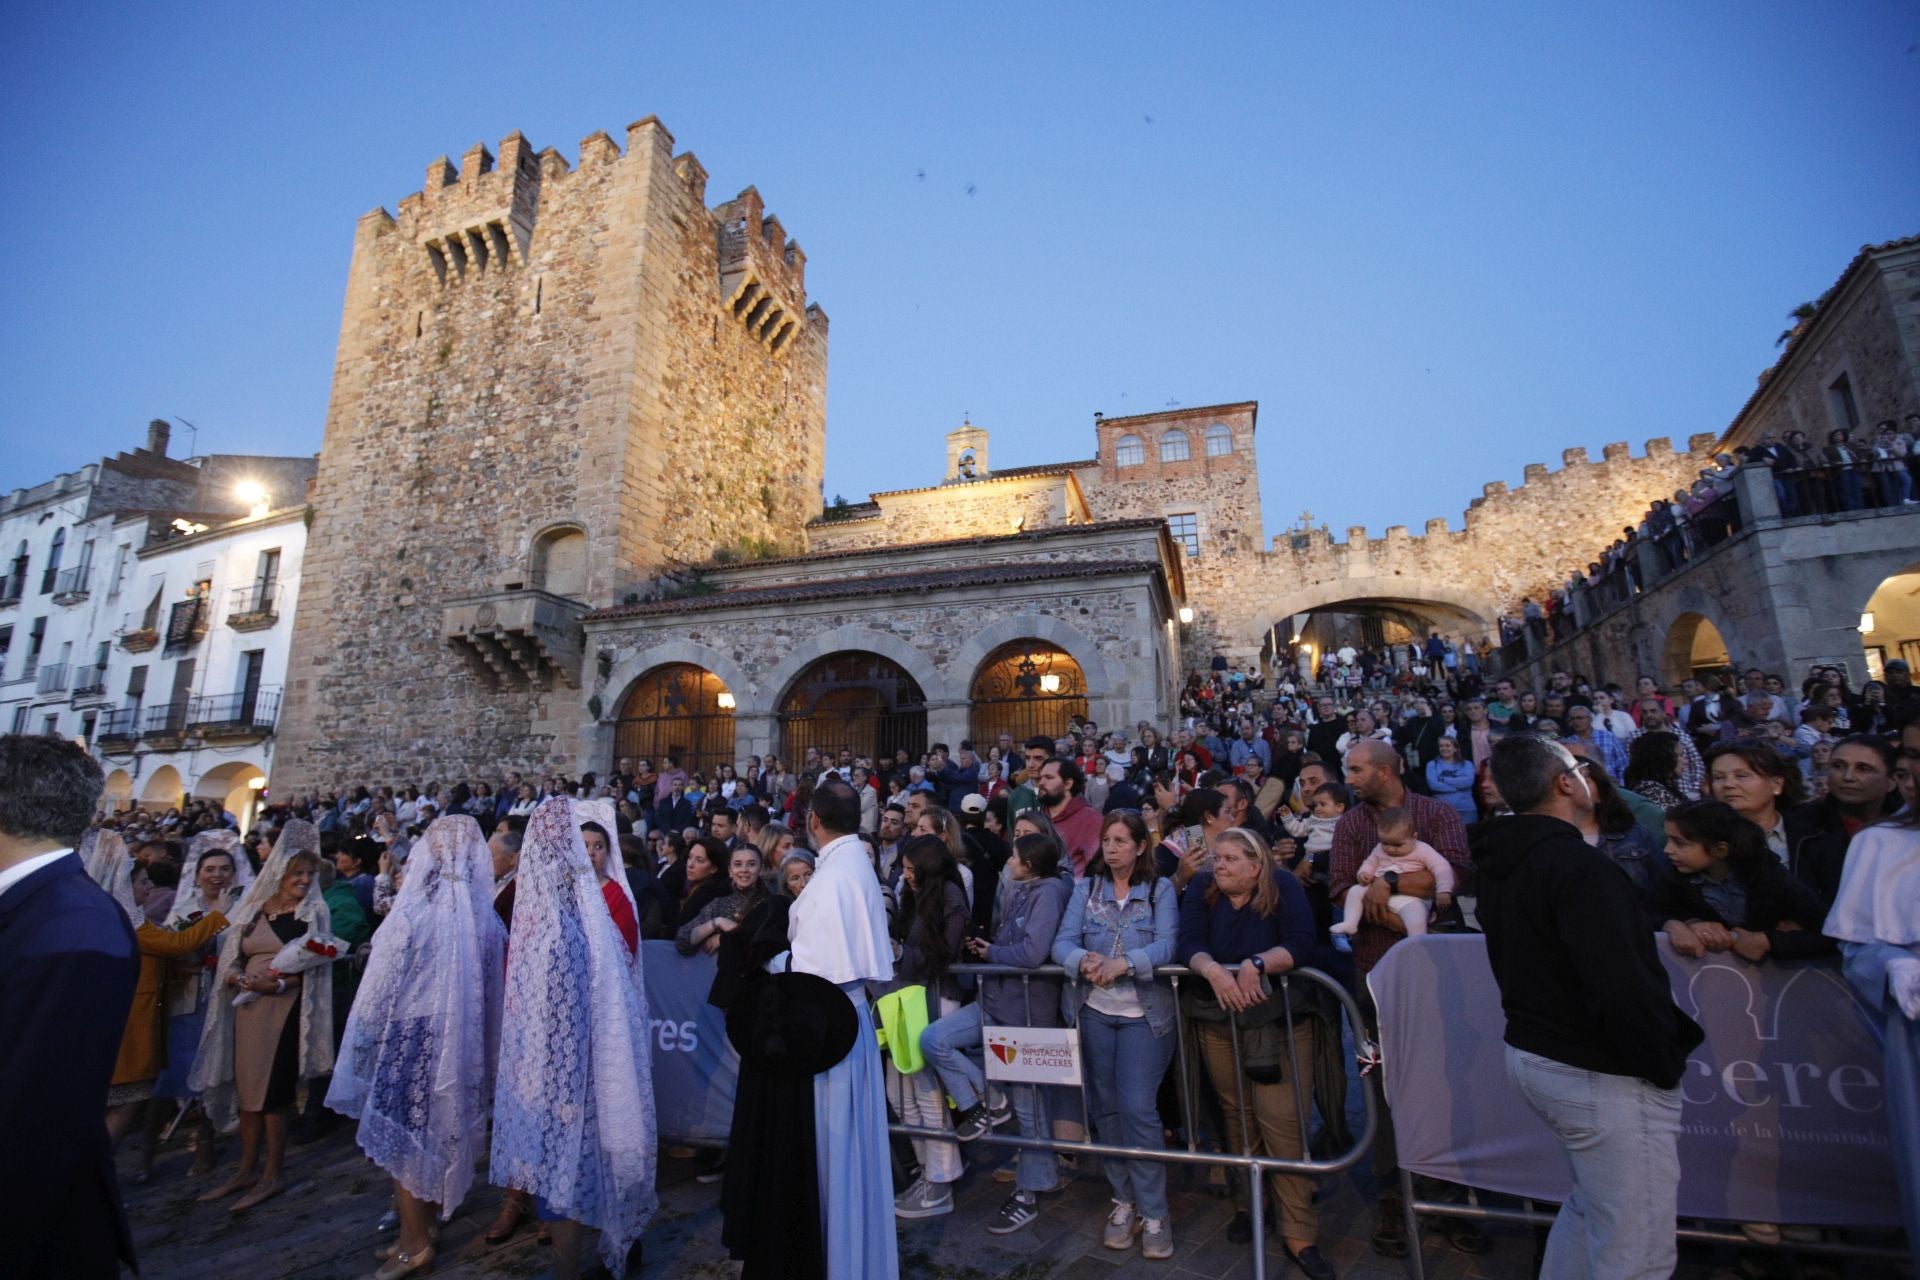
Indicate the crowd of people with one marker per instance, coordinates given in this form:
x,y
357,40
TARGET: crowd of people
x,y
349,948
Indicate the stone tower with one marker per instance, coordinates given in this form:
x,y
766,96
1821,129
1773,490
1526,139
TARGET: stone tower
x,y
552,383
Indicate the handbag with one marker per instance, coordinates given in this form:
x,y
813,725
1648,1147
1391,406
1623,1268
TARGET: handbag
x,y
1263,1031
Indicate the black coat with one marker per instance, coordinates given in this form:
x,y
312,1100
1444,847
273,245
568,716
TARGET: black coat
x,y
68,967
1817,844
1580,979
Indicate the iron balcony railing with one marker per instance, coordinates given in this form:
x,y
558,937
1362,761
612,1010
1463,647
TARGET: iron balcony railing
x,y
53,678
73,582
89,681
168,720
255,605
120,726
234,713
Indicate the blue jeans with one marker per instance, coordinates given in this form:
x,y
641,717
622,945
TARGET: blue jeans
x,y
950,1045
1622,1137
1123,1063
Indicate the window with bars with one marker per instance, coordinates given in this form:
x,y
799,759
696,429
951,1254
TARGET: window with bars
x,y
1185,528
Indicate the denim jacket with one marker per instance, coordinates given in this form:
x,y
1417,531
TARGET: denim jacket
x,y
1148,933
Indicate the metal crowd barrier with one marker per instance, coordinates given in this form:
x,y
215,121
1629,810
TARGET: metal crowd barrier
x,y
1258,1167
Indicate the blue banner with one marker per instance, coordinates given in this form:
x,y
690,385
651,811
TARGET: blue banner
x,y
695,1070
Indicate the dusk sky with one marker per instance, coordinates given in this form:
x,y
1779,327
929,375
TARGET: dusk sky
x,y
1436,243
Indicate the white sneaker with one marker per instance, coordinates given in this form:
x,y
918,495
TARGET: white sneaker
x,y
1156,1239
1122,1226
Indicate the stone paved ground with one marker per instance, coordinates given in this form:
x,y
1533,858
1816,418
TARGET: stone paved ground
x,y
323,1229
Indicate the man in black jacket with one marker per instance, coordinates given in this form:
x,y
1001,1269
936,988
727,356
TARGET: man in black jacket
x,y
68,965
1595,1043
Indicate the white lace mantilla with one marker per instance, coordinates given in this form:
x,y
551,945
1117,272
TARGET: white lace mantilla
x,y
573,1118
416,1061
212,1075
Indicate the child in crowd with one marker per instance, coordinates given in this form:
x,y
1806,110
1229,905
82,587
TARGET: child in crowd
x,y
1328,802
1400,851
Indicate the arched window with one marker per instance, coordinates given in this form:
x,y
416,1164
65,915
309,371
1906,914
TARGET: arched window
x,y
560,563
52,570
1219,440
856,700
1129,451
1025,688
677,710
15,584
1175,447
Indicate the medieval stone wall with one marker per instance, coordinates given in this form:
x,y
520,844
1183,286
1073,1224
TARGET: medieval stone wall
x,y
527,346
966,509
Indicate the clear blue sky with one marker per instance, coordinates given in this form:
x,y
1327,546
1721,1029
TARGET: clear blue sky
x,y
1435,242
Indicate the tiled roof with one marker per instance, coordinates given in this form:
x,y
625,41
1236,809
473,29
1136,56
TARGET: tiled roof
x,y
1801,331
1028,535
999,473
881,584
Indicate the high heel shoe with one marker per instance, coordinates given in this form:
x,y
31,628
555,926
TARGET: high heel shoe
x,y
403,1264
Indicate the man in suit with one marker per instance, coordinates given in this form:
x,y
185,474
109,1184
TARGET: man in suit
x,y
68,966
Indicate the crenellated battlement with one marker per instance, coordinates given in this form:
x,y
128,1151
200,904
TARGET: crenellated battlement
x,y
762,271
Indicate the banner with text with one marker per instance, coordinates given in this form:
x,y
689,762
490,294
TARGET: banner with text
x,y
1784,1118
1033,1055
695,1069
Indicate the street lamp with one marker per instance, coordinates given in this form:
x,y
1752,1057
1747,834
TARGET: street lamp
x,y
1866,622
255,495
724,701
1186,615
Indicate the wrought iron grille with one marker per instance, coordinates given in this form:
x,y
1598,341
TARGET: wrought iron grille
x,y
1026,688
857,700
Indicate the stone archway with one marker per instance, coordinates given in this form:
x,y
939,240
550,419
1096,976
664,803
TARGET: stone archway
x,y
231,786
118,794
1468,610
933,682
1894,613
163,789
1105,679
1694,646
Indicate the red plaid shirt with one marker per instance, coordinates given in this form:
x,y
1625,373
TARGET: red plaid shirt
x,y
1355,837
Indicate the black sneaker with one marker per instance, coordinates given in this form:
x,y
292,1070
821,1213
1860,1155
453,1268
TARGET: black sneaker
x,y
1000,1109
975,1123
711,1168
1020,1209
1240,1230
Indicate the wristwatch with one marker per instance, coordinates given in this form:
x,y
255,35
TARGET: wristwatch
x,y
1392,878
1259,964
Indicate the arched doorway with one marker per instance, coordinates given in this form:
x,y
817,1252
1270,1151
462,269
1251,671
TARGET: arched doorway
x,y
235,787
1890,624
163,789
1695,648
118,794
857,700
1024,688
678,710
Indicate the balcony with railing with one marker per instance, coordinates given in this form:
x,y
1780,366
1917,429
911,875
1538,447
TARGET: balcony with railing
x,y
117,730
165,726
254,608
234,715
186,626
53,678
71,586
89,682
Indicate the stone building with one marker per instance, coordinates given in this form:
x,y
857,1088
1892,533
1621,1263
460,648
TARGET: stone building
x,y
1785,592
552,383
146,611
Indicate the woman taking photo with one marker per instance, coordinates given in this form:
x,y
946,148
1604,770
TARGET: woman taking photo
x,y
931,925
252,1059
1246,913
416,1061
1122,921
